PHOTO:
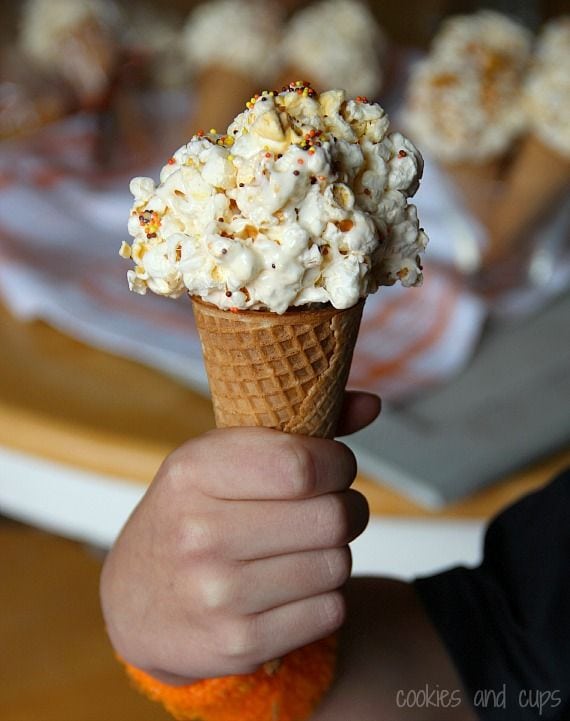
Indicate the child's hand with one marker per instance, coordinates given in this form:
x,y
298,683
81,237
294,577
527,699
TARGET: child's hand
x,y
237,552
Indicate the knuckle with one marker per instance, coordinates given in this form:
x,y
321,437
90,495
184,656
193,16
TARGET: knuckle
x,y
177,470
198,538
187,465
214,589
240,640
297,467
170,471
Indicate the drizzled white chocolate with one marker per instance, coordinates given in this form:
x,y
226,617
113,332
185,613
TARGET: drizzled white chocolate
x,y
304,200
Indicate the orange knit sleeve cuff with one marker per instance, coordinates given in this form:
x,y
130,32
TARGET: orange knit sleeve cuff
x,y
286,690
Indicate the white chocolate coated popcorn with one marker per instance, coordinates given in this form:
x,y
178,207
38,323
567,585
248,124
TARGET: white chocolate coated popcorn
x,y
239,34
465,101
304,200
337,41
45,22
548,86
483,33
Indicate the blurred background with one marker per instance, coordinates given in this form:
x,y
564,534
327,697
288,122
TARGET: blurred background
x,y
97,385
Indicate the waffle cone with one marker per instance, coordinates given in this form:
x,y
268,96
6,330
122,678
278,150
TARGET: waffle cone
x,y
477,184
536,181
278,371
220,93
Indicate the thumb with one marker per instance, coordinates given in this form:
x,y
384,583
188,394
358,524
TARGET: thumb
x,y
359,410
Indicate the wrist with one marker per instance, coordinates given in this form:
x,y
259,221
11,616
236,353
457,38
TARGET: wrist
x,y
292,687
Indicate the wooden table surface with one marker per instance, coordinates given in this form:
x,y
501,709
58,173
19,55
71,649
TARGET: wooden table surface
x,y
68,402
57,663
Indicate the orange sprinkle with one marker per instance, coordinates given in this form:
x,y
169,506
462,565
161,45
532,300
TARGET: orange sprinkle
x,y
171,161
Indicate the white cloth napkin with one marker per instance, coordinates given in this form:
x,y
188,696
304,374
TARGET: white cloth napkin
x,y
62,222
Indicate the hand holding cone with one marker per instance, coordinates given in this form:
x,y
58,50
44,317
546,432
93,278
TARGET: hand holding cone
x,y
278,254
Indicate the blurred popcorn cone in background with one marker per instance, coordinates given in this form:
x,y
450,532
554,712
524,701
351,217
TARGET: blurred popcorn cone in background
x,y
334,43
229,46
88,62
124,129
464,103
539,176
536,183
29,97
77,39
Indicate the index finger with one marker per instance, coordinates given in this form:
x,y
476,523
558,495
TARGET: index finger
x,y
263,464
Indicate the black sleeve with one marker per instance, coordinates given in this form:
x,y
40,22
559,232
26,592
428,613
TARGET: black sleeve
x,y
506,623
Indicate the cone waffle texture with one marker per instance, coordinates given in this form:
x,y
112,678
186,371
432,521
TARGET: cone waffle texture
x,y
279,371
